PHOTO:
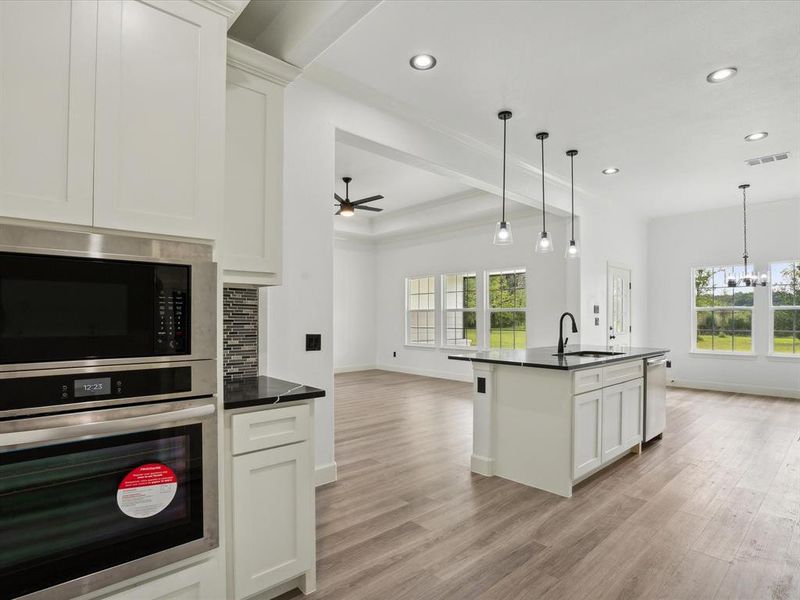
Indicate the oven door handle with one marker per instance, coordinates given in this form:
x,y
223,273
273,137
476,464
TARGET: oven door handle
x,y
111,427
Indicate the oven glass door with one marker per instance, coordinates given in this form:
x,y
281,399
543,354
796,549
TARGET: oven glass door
x,y
75,508
65,308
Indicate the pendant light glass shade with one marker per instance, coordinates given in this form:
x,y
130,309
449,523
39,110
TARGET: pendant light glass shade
x,y
544,245
502,231
572,249
502,234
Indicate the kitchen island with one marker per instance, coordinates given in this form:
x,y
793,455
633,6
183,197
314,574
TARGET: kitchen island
x,y
550,420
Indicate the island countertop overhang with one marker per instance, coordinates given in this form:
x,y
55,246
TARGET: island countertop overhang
x,y
547,357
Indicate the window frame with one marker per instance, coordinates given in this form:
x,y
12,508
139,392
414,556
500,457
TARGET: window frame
x,y
488,310
477,310
407,312
772,308
710,309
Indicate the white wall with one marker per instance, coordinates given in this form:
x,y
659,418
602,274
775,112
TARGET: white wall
x,y
354,305
714,238
468,249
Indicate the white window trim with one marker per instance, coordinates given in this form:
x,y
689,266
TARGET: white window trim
x,y
772,308
695,309
488,310
406,338
477,310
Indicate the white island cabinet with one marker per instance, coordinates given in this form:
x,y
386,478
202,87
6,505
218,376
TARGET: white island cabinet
x,y
550,421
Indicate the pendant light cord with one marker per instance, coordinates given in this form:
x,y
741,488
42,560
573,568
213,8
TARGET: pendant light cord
x,y
544,222
505,122
572,187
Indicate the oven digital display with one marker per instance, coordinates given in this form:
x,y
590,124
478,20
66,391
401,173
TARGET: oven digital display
x,y
92,387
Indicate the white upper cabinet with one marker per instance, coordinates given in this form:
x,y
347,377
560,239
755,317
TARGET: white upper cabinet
x,y
252,234
47,86
160,110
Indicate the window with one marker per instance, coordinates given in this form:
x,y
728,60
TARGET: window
x,y
723,315
460,309
507,302
421,310
785,306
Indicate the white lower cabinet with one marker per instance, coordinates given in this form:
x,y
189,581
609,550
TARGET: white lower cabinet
x,y
586,454
607,422
197,582
271,502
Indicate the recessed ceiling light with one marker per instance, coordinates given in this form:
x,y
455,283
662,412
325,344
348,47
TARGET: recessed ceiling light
x,y
423,62
721,75
611,171
754,137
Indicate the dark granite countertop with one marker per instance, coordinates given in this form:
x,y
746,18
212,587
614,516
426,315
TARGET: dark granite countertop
x,y
546,358
258,391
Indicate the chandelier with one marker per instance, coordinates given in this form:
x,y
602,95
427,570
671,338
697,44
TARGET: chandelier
x,y
747,278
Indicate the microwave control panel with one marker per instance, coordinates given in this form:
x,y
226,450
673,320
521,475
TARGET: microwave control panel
x,y
172,310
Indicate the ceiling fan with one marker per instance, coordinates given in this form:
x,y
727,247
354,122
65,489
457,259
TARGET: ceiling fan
x,y
347,208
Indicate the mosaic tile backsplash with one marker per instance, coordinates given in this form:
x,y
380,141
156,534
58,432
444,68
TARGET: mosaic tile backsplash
x,y
240,332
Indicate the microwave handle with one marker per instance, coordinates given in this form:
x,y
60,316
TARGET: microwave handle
x,y
115,426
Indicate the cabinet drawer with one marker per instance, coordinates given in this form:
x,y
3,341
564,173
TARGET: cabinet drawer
x,y
587,380
626,371
269,428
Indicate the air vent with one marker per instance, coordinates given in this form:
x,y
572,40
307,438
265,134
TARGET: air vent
x,y
767,159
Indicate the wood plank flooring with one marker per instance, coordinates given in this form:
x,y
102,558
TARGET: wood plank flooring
x,y
710,512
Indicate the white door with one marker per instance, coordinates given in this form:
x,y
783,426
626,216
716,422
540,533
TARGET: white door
x,y
273,519
619,305
160,124
586,433
47,77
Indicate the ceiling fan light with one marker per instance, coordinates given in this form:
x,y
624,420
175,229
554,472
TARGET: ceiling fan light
x,y
502,234
347,210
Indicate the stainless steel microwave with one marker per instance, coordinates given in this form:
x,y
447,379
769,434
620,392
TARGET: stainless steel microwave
x,y
71,298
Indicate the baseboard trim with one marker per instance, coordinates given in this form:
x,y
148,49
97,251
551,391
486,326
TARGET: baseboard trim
x,y
325,474
736,388
482,465
426,373
354,368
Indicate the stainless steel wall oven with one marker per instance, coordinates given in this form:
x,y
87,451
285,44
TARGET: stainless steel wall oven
x,y
108,415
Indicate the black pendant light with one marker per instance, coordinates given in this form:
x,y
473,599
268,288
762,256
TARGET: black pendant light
x,y
572,250
502,231
544,245
747,279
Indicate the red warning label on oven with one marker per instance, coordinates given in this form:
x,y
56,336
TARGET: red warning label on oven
x,y
147,490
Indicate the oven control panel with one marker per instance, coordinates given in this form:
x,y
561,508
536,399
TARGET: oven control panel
x,y
171,311
53,390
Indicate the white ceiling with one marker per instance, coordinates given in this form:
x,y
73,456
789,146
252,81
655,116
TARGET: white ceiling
x,y
624,82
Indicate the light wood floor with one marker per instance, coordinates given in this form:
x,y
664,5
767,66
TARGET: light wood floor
x,y
711,511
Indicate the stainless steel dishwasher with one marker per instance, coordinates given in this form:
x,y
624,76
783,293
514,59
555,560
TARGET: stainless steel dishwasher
x,y
655,398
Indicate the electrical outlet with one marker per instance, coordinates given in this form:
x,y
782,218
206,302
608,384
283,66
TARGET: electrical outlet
x,y
313,342
394,354
669,364
597,321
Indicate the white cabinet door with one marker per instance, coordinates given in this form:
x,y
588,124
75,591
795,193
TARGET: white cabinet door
x,y
159,149
252,235
586,433
203,581
273,517
47,77
622,418
632,400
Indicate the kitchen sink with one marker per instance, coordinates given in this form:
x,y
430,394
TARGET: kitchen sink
x,y
590,353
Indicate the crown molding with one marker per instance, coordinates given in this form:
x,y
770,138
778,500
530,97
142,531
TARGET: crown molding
x,y
230,9
261,65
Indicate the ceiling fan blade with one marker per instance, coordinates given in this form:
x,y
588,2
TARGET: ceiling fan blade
x,y
338,212
338,197
371,208
370,199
